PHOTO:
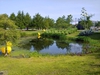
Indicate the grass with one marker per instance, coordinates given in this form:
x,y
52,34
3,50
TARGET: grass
x,y
21,62
51,65
95,36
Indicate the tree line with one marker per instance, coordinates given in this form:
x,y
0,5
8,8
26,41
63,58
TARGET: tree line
x,y
9,25
23,21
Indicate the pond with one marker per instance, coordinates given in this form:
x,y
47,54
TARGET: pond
x,y
49,46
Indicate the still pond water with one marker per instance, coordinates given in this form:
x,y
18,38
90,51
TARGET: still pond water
x,y
47,46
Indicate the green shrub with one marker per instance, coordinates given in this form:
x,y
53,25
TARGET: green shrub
x,y
54,35
86,33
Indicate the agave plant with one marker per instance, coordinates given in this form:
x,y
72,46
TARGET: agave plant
x,y
86,33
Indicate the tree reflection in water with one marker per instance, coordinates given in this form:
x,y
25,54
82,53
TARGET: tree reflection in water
x,y
50,46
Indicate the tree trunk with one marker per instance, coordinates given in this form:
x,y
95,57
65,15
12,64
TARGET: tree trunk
x,y
27,28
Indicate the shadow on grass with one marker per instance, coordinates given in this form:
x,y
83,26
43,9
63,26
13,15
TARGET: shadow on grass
x,y
95,36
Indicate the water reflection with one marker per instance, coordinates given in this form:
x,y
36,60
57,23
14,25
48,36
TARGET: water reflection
x,y
32,48
75,48
62,44
40,44
53,49
47,46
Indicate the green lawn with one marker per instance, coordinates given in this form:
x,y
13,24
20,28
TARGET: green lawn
x,y
18,64
51,65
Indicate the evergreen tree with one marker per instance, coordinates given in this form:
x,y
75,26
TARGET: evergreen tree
x,y
13,17
20,20
37,21
27,20
48,23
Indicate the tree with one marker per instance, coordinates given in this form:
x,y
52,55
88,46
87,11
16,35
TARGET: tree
x,y
85,19
8,30
48,22
69,19
27,20
97,24
37,21
63,22
20,20
6,23
13,17
51,22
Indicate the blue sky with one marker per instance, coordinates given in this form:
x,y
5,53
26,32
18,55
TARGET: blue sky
x,y
51,8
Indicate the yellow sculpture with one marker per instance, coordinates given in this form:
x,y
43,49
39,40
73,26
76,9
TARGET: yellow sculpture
x,y
3,49
6,49
39,35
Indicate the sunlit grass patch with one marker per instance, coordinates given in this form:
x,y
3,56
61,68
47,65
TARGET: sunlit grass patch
x,y
52,65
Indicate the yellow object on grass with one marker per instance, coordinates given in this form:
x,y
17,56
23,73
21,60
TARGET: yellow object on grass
x,y
3,49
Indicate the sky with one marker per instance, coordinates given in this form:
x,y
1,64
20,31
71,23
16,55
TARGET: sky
x,y
52,8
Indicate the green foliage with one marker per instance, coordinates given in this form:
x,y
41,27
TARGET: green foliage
x,y
20,20
27,20
63,22
53,35
85,19
9,35
58,34
13,17
37,21
69,19
48,23
97,24
8,28
6,23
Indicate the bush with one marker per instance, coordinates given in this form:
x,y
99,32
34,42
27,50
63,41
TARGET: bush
x,y
86,33
54,36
